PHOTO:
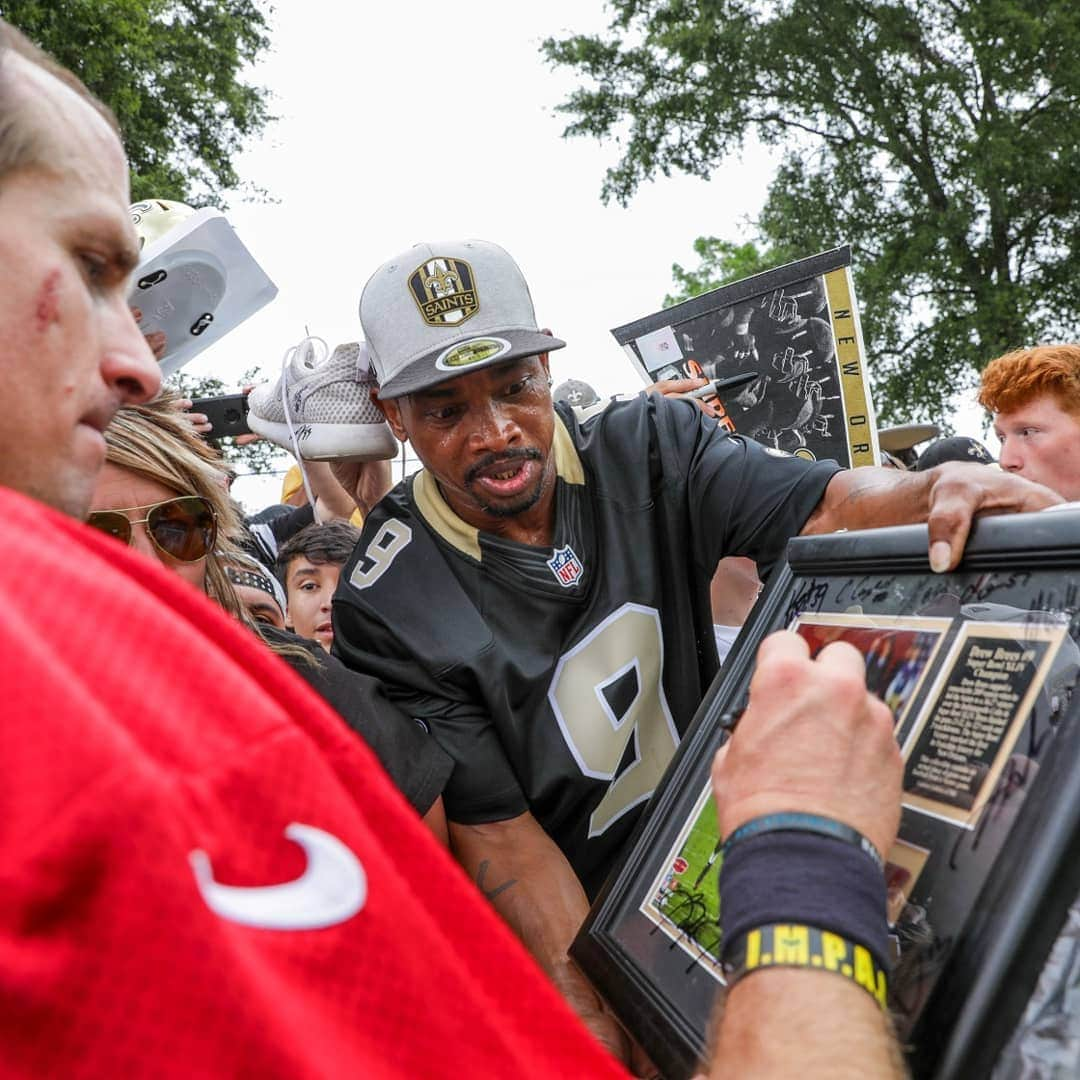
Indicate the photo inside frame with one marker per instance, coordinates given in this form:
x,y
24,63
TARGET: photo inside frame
x,y
898,651
684,901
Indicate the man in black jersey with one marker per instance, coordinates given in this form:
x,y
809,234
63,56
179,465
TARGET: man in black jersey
x,y
539,595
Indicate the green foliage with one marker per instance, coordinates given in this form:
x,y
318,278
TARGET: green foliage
x,y
171,72
255,457
721,262
941,138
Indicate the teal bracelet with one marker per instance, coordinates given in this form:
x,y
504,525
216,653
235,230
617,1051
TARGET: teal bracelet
x,y
811,823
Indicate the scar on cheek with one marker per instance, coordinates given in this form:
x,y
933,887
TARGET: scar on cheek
x,y
47,310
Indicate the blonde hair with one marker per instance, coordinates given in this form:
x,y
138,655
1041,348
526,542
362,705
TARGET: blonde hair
x,y
158,442
25,141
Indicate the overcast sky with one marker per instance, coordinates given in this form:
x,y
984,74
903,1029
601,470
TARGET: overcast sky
x,y
409,122
401,123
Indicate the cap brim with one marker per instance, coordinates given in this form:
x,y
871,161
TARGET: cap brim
x,y
906,436
432,369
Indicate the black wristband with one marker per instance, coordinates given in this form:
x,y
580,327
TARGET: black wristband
x,y
794,946
793,821
806,879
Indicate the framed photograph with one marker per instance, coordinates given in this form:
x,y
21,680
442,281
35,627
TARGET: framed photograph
x,y
796,330
979,668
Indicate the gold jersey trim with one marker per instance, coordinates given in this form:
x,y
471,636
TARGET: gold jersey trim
x,y
435,510
567,463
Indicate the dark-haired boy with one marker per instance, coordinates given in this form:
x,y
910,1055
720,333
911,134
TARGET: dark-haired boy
x,y
309,565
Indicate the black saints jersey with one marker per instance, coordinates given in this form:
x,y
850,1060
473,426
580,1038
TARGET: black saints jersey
x,y
560,679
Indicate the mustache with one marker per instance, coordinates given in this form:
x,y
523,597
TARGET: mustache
x,y
521,454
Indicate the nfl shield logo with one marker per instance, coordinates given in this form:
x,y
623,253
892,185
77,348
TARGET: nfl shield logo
x,y
566,566
444,291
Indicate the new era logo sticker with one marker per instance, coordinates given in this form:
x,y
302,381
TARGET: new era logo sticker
x,y
444,291
566,567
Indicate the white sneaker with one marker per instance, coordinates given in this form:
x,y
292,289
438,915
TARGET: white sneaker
x,y
321,407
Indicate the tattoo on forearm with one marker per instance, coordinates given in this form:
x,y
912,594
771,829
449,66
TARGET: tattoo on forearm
x,y
481,877
870,496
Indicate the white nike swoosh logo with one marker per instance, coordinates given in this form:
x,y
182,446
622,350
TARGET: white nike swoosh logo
x,y
332,889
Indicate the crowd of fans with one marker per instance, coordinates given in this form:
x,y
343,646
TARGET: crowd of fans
x,y
471,629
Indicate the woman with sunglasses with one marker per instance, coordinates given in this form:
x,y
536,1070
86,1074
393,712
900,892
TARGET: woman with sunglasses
x,y
163,491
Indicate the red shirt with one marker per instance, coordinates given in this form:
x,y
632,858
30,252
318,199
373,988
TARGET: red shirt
x,y
141,727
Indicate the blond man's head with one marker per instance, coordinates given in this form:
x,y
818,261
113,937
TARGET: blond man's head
x,y
25,140
70,352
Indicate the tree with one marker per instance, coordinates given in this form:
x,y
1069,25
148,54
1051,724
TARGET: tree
x,y
171,72
941,138
721,262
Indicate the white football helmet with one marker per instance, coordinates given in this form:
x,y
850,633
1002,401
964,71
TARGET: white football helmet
x,y
155,217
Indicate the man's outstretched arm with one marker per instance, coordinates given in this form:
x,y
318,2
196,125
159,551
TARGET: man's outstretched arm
x,y
518,867
365,482
947,498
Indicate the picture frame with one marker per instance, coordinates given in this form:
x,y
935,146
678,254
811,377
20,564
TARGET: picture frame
x,y
980,667
796,329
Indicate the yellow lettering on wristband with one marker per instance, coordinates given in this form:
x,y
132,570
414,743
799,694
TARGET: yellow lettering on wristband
x,y
864,969
795,945
753,949
791,945
833,950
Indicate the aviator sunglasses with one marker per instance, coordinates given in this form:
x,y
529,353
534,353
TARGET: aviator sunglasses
x,y
184,528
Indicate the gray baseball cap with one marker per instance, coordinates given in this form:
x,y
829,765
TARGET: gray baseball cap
x,y
445,309
575,392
